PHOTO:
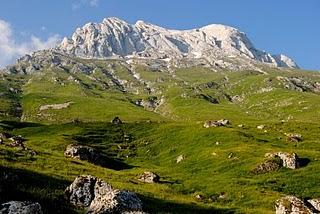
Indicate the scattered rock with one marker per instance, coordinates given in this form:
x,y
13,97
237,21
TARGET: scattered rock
x,y
199,197
83,153
293,137
217,123
289,160
261,127
20,207
99,197
149,177
17,141
180,158
236,99
241,125
292,205
116,121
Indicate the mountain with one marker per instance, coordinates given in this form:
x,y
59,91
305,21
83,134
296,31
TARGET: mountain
x,y
203,113
213,43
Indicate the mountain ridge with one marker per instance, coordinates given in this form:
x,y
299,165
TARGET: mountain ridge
x,y
214,42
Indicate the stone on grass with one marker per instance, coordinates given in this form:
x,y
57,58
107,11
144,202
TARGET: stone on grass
x,y
149,177
180,158
82,153
20,207
293,137
222,122
292,205
289,160
98,197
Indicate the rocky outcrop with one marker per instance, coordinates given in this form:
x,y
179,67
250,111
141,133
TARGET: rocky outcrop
x,y
293,205
116,38
222,122
83,153
151,103
149,177
99,197
300,84
20,207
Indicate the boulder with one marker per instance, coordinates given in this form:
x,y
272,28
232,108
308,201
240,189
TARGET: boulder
x,y
289,160
20,207
222,122
261,127
293,137
81,192
292,205
99,197
180,158
149,177
116,121
83,153
315,203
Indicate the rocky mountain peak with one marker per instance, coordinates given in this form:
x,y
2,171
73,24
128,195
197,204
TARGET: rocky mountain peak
x,y
215,42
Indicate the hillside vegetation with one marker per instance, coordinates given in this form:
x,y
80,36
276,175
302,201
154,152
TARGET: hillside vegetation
x,y
163,111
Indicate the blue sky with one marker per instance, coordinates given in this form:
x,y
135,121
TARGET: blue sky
x,y
291,27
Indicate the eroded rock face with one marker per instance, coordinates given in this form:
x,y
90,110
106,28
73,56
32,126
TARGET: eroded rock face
x,y
20,207
292,205
222,122
99,197
149,177
83,153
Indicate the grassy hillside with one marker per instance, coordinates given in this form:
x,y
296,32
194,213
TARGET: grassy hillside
x,y
218,162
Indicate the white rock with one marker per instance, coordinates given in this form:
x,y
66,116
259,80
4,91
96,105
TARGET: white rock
x,y
213,43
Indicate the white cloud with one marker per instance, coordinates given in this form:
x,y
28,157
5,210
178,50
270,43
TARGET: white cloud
x,y
11,50
94,3
79,3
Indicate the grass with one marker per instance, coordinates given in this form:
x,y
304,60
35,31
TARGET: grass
x,y
155,146
221,172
